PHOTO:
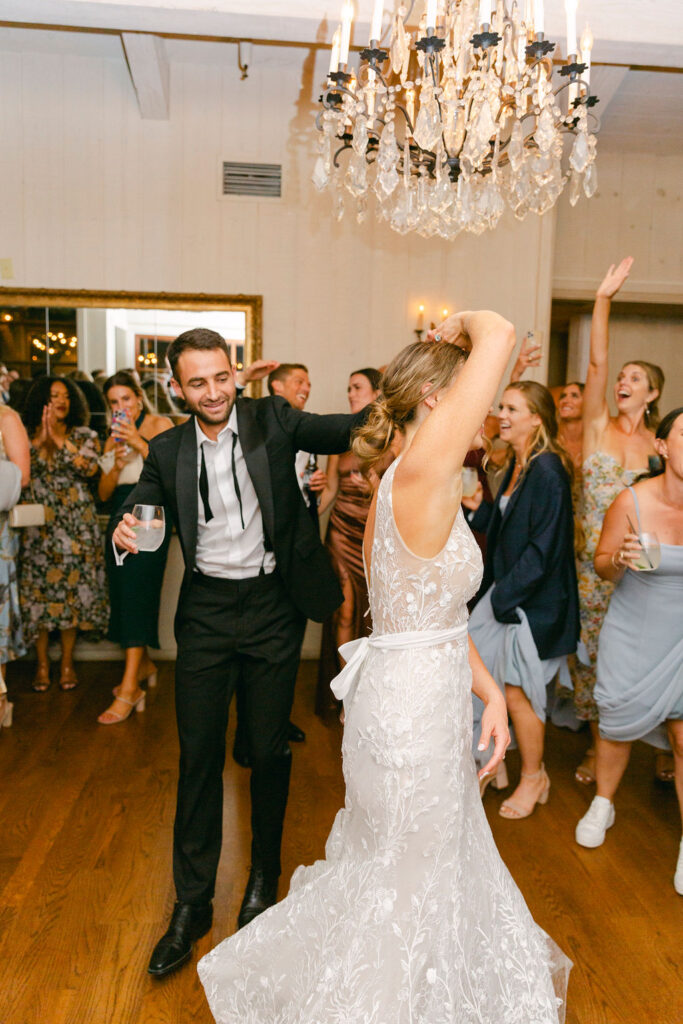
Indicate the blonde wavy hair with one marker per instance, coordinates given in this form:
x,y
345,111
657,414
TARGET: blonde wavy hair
x,y
544,437
435,363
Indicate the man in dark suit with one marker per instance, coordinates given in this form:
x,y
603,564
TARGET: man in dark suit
x,y
255,570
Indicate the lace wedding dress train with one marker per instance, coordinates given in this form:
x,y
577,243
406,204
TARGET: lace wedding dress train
x,y
412,918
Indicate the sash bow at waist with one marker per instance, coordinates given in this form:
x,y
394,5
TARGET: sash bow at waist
x,y
355,652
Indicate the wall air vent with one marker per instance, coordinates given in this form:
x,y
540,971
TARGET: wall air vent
x,y
252,180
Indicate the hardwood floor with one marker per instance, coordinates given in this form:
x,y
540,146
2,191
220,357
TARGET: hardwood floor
x,y
86,816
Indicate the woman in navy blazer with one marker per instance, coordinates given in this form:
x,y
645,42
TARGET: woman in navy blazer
x,y
527,616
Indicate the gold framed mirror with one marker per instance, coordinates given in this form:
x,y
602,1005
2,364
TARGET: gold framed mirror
x,y
65,331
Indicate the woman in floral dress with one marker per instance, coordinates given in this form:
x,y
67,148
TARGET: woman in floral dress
x,y
616,450
62,571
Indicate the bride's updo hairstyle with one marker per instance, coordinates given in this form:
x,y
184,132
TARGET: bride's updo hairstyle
x,y
435,363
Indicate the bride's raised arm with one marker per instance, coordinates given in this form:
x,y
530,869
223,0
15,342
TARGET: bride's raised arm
x,y
445,436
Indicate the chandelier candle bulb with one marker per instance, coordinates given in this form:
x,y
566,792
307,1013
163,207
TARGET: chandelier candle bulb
x,y
420,323
485,12
431,16
376,25
570,10
539,20
346,20
334,57
586,48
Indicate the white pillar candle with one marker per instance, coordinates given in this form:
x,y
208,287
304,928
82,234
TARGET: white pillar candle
x,y
570,11
376,24
586,48
539,23
334,56
485,12
346,19
431,14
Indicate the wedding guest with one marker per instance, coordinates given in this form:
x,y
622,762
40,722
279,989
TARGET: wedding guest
x,y
135,588
14,448
570,416
640,658
95,402
527,617
62,563
616,450
568,401
349,493
291,382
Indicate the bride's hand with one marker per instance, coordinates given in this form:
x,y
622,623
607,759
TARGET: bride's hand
x,y
452,330
494,725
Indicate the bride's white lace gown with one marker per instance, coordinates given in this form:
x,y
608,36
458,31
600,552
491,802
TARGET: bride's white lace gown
x,y
412,918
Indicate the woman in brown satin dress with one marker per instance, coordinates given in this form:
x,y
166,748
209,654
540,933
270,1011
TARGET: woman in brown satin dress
x,y
351,494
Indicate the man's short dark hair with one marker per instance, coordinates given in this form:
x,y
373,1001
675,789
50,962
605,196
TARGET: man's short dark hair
x,y
282,373
200,339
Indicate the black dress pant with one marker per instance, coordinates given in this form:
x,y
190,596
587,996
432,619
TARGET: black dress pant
x,y
229,633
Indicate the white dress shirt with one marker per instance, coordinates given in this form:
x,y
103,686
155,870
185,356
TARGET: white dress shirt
x,y
224,548
300,463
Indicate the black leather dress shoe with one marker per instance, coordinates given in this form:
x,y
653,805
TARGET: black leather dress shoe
x,y
174,948
261,893
295,734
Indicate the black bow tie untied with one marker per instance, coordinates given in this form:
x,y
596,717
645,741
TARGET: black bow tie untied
x,y
204,485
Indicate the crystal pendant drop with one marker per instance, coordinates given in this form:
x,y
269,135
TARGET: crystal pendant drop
x,y
574,188
580,153
428,126
320,177
545,130
388,156
356,179
516,147
590,180
400,43
360,136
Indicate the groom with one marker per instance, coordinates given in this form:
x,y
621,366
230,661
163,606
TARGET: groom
x,y
255,570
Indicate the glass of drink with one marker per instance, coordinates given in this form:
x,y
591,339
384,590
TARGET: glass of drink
x,y
150,526
470,481
651,556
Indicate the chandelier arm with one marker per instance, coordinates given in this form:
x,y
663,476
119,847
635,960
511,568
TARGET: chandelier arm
x,y
335,158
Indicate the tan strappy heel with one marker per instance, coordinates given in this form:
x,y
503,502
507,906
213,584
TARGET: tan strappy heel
x,y
511,810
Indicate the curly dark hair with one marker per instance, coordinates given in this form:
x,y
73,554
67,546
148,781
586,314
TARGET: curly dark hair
x,y
39,396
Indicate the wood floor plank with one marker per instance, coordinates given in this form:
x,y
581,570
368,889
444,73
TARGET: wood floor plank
x,y
86,816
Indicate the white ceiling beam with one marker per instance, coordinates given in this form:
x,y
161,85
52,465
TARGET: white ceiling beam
x,y
605,84
148,66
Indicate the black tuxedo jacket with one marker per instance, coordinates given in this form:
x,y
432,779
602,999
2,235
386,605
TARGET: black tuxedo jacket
x,y
530,555
271,432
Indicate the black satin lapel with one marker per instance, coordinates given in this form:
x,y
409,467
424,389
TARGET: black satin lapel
x,y
253,443
187,489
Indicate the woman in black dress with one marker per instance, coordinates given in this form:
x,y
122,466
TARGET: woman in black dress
x,y
135,586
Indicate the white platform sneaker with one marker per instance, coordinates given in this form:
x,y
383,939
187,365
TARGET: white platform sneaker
x,y
678,877
591,830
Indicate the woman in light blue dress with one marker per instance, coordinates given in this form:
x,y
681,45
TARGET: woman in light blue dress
x,y
639,688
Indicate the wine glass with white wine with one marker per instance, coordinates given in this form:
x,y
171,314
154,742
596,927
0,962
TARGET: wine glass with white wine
x,y
150,527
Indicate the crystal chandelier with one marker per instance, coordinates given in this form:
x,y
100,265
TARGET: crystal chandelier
x,y
449,127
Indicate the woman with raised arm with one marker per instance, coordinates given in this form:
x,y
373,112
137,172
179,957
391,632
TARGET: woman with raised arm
x,y
616,450
412,915
639,688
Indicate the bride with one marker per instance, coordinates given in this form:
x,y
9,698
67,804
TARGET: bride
x,y
412,918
